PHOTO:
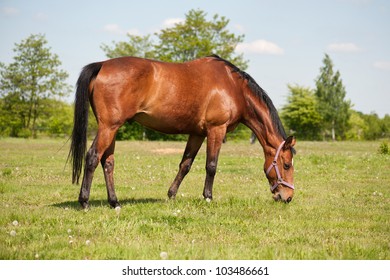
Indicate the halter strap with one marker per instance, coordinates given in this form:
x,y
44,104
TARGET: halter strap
x,y
274,164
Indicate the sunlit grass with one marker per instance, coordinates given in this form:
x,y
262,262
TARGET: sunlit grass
x,y
340,210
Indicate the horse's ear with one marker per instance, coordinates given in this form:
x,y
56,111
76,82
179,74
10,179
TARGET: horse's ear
x,y
289,143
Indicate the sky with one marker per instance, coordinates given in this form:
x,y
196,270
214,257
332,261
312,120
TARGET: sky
x,y
285,41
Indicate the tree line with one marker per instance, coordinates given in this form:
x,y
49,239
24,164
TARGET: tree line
x,y
324,112
33,87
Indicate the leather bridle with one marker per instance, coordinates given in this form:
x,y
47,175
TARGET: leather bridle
x,y
274,164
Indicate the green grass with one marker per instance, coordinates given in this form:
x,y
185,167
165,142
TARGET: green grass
x,y
341,209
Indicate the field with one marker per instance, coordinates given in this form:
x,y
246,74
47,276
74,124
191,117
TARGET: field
x,y
341,208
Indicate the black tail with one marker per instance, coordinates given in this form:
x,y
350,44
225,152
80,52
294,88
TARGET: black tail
x,y
81,108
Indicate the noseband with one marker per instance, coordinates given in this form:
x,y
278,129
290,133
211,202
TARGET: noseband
x,y
274,164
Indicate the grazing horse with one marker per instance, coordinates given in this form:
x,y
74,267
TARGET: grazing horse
x,y
205,98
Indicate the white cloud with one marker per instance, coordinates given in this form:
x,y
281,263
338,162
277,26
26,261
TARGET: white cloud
x,y
171,22
382,65
114,28
260,47
9,11
343,47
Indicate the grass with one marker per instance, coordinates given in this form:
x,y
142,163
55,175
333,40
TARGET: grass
x,y
340,209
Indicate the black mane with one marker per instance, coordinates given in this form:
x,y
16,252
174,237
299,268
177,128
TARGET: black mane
x,y
260,93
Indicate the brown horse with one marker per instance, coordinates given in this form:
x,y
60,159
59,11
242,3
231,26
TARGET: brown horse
x,y
207,97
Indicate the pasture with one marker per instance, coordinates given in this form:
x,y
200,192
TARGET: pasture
x,y
341,208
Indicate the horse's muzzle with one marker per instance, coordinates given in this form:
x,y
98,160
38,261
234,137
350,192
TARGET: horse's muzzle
x,y
277,196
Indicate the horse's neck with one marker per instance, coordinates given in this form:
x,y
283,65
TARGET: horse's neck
x,y
259,120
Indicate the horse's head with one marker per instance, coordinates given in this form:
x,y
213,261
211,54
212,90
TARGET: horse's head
x,y
279,170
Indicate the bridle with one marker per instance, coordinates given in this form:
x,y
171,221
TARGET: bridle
x,y
274,164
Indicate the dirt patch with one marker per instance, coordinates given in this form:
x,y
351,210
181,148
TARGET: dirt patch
x,y
167,151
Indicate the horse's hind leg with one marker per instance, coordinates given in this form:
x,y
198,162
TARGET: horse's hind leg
x,y
91,162
107,162
100,149
193,145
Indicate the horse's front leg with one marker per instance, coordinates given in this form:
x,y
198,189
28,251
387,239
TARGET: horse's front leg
x,y
193,145
215,138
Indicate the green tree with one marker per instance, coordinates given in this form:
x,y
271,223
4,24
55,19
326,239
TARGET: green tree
x,y
357,126
197,37
332,106
374,128
57,119
135,46
300,113
386,125
193,38
27,83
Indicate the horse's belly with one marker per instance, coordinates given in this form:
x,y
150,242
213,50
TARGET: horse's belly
x,y
171,123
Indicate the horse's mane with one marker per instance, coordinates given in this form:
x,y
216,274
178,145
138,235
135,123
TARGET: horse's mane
x,y
259,92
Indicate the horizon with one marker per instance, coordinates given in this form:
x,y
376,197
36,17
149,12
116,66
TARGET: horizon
x,y
289,49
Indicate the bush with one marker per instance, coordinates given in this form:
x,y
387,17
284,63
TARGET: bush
x,y
384,149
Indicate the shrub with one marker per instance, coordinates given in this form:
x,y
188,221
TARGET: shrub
x,y
384,149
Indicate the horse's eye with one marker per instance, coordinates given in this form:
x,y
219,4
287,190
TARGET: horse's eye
x,y
286,166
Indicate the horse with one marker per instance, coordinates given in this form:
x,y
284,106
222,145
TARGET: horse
x,y
204,98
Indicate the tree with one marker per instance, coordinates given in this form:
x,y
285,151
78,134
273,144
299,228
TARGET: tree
x,y
357,126
57,119
196,37
386,125
332,106
193,38
27,83
373,129
300,113
136,46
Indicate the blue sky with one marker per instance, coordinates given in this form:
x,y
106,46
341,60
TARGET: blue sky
x,y
285,41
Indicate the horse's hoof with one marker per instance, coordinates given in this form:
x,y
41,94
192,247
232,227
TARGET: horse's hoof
x,y
171,195
115,204
84,205
208,196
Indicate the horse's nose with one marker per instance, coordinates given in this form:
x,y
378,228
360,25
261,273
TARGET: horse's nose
x,y
289,199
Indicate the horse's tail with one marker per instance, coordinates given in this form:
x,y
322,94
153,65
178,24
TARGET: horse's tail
x,y
81,108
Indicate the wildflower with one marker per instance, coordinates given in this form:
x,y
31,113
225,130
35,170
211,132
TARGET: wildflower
x,y
164,255
15,223
12,233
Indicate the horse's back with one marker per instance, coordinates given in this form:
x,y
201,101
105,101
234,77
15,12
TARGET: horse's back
x,y
169,97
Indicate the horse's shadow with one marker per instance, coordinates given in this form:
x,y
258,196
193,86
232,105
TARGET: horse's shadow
x,y
103,203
